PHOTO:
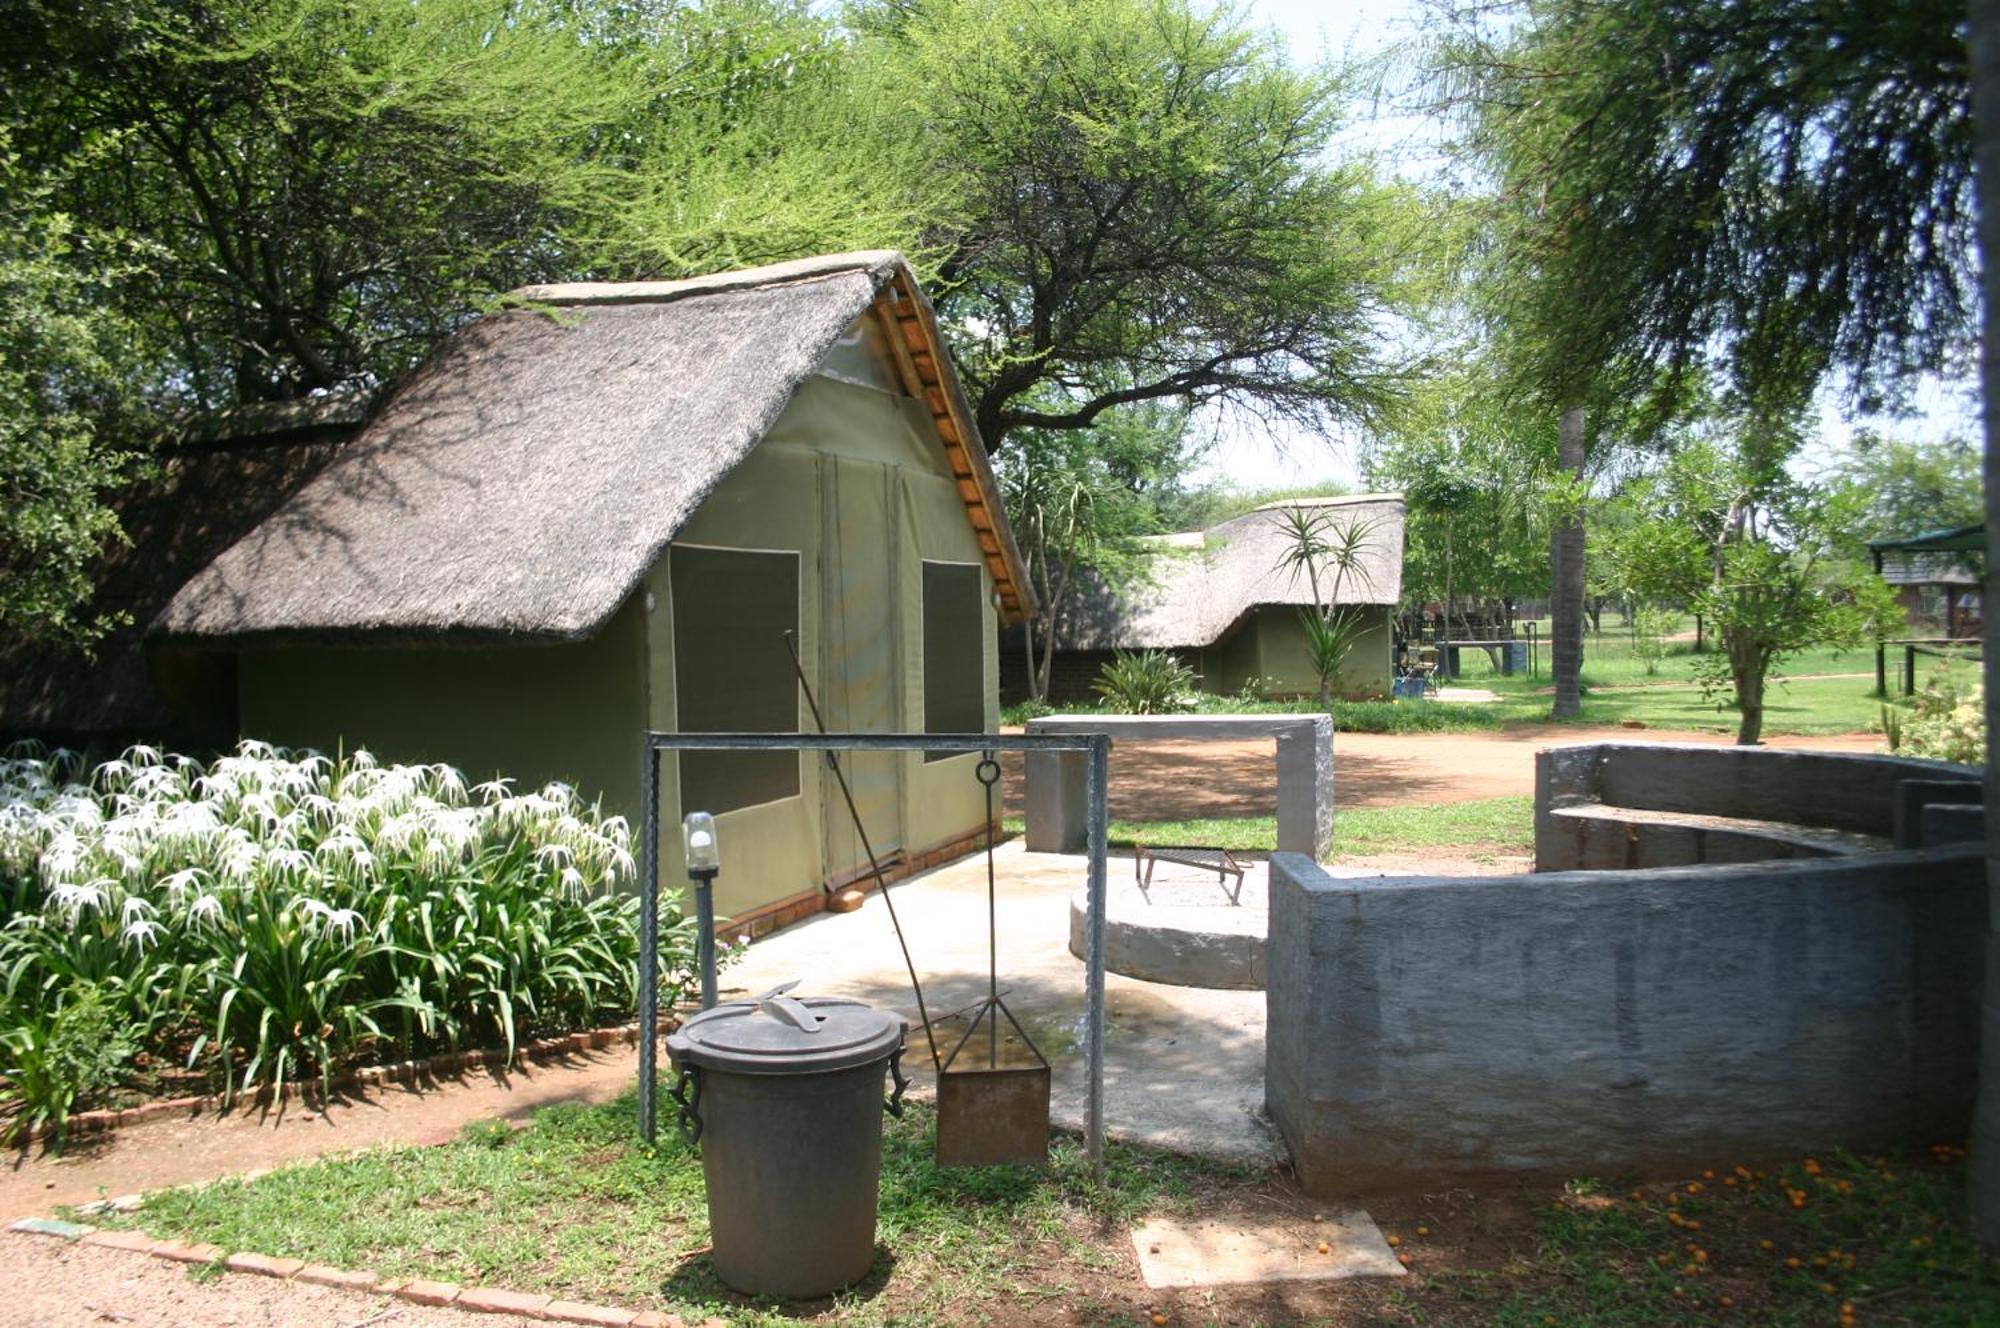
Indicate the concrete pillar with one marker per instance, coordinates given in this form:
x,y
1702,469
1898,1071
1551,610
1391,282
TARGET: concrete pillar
x,y
1058,802
1305,789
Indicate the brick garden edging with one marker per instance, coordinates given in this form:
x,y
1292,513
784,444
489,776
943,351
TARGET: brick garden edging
x,y
420,1291
368,1076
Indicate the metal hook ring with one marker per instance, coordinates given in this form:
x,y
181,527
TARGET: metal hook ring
x,y
988,772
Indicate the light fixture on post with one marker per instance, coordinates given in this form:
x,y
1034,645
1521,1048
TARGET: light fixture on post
x,y
704,864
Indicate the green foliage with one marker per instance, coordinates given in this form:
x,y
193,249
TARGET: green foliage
x,y
1330,639
54,1056
328,186
1893,488
1146,682
1140,200
1784,186
62,356
1081,503
1330,548
1755,553
1650,626
271,917
1946,722
1476,467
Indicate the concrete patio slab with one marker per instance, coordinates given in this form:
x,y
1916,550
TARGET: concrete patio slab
x,y
1184,1066
1283,1249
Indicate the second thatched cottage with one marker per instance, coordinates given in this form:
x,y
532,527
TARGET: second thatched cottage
x,y
600,514
1227,601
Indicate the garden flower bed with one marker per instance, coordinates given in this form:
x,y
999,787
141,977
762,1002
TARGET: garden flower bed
x,y
172,927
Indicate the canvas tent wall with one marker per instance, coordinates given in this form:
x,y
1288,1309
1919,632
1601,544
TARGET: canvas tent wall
x,y
578,522
1223,601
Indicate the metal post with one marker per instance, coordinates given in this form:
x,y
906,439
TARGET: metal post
x,y
704,940
649,945
1099,784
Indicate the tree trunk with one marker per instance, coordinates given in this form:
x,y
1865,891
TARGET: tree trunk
x,y
1566,579
1985,51
1038,686
1747,668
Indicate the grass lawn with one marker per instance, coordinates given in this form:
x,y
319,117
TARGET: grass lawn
x,y
575,1206
1483,825
1617,690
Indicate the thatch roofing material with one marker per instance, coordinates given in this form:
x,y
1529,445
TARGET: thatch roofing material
x,y
520,484
1203,586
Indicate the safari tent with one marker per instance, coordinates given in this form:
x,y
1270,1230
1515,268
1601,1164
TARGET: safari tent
x,y
601,511
1223,600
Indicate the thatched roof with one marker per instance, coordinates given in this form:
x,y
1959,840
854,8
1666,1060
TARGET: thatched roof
x,y
216,478
1204,584
521,482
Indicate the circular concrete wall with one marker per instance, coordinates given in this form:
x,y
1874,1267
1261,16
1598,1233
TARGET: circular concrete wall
x,y
1182,932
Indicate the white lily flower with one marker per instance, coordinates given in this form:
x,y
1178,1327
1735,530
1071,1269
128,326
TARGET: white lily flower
x,y
72,899
205,910
140,932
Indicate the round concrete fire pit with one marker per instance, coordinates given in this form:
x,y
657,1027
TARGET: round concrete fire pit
x,y
1182,930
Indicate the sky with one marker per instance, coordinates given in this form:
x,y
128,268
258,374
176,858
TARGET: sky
x,y
1251,455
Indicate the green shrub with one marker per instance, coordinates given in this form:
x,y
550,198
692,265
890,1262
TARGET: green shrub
x,y
1022,711
1146,682
274,916
55,1058
1649,637
1415,717
1946,722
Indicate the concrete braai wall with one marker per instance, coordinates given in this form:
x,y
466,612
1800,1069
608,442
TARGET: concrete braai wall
x,y
1605,1021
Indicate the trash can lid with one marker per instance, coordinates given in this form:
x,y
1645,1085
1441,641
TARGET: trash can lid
x,y
776,1034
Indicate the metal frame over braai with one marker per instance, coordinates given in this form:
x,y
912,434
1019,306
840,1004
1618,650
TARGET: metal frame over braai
x,y
1097,750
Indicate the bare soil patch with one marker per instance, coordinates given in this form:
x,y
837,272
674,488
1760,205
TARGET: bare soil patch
x,y
1187,780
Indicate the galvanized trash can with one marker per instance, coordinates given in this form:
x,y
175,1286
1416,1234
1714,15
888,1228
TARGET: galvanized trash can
x,y
785,1098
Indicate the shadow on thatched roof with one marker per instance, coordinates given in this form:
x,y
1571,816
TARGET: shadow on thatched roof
x,y
519,484
214,479
1203,584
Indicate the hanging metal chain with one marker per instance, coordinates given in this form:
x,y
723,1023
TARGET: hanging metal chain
x,y
861,833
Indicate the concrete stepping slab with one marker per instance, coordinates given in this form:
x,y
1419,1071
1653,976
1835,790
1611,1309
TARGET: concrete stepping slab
x,y
1278,1249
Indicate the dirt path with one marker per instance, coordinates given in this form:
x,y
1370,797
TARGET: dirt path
x,y
53,1284
1167,781
157,1155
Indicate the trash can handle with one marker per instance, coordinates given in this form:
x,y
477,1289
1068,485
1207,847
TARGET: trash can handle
x,y
894,1106
687,1102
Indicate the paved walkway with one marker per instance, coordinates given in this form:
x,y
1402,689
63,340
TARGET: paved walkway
x,y
1184,1067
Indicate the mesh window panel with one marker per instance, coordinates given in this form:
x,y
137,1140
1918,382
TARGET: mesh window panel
x,y
732,673
954,652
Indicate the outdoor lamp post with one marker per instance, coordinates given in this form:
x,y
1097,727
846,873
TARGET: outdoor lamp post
x,y
704,864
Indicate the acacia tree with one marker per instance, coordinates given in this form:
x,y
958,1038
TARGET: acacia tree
x,y
329,186
1760,555
1138,200
1476,467
1780,186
